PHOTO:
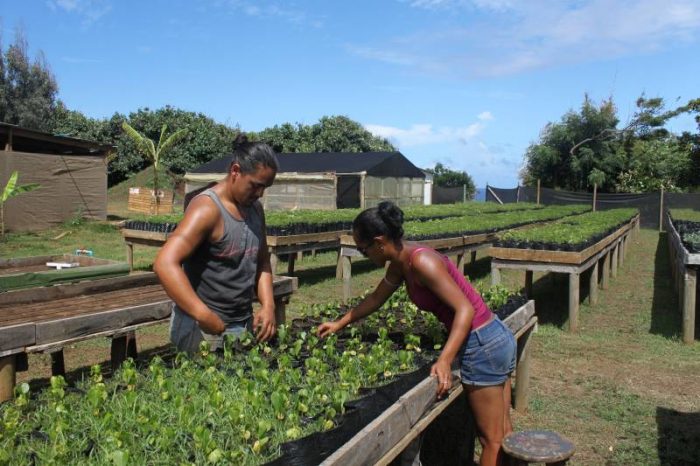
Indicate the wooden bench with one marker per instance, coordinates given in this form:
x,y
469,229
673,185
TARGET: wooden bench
x,y
46,319
611,250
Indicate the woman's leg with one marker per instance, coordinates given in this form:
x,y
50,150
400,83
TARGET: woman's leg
x,y
487,406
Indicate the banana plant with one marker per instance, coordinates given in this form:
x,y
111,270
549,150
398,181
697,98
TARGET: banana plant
x,y
152,152
12,189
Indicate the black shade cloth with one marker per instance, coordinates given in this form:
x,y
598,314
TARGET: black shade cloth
x,y
648,204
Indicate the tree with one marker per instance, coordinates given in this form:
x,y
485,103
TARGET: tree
x,y
590,141
596,178
569,150
12,189
448,178
206,140
27,89
330,134
152,152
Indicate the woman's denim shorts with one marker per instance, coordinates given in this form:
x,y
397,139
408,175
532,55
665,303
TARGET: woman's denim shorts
x,y
488,356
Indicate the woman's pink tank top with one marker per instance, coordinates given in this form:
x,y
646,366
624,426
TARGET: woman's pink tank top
x,y
427,300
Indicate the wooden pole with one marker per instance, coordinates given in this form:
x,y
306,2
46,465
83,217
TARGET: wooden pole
x,y
538,191
661,209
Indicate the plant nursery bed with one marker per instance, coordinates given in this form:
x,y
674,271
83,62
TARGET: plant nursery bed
x,y
561,257
26,272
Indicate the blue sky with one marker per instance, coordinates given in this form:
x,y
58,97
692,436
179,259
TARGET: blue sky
x,y
470,83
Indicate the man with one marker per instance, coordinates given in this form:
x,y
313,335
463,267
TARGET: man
x,y
217,257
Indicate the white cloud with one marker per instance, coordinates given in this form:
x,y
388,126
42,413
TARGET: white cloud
x,y
272,9
424,134
508,37
90,10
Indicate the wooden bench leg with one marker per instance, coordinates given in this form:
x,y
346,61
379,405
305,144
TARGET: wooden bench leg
x,y
290,263
280,311
528,283
58,366
593,285
274,258
123,347
605,276
8,377
574,293
522,373
495,275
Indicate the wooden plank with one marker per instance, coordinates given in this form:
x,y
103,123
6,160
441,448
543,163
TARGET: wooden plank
x,y
72,327
49,347
62,291
520,317
134,235
17,336
419,427
370,444
305,238
613,265
302,247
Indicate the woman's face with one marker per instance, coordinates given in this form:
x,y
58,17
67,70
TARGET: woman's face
x,y
369,249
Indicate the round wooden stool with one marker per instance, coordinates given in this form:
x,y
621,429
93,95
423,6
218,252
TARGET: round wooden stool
x,y
537,446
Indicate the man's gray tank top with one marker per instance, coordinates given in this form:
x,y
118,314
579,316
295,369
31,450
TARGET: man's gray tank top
x,y
223,273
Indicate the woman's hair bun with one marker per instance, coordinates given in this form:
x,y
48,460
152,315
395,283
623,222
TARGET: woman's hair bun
x,y
392,216
241,139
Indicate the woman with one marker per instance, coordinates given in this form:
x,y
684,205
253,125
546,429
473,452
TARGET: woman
x,y
485,346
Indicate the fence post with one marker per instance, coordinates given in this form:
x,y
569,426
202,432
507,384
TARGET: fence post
x,y
661,210
538,191
517,194
464,193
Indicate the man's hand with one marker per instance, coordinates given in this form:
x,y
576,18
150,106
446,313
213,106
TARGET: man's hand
x,y
327,328
264,324
210,322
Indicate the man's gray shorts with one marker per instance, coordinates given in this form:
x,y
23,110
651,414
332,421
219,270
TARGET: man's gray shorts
x,y
186,334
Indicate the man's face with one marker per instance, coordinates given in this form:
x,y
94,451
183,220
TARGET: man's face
x,y
249,187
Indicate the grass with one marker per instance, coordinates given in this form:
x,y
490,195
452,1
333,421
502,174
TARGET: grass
x,y
624,388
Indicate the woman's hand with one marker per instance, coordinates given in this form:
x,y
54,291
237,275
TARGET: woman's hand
x,y
327,328
441,371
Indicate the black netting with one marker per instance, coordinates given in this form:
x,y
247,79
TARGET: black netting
x,y
648,204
